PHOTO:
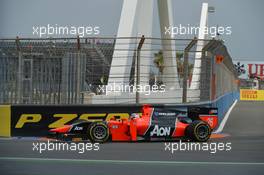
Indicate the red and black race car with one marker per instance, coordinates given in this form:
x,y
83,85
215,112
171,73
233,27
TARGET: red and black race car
x,y
153,123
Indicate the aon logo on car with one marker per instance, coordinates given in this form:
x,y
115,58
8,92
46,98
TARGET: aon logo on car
x,y
78,128
160,131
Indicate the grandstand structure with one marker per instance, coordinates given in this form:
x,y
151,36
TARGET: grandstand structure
x,y
52,71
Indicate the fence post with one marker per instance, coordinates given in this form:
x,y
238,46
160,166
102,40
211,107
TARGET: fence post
x,y
138,66
78,65
19,72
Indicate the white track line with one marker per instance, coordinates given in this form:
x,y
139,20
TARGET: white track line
x,y
222,124
126,161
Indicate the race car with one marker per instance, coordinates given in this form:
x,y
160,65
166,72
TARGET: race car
x,y
154,123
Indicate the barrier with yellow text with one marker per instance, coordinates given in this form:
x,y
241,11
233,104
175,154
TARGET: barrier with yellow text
x,y
251,95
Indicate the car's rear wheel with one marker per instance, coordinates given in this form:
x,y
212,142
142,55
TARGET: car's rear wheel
x,y
98,132
198,131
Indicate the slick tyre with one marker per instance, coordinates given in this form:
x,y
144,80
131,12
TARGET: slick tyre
x,y
98,132
198,131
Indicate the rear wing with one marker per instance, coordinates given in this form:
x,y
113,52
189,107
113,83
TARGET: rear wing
x,y
207,114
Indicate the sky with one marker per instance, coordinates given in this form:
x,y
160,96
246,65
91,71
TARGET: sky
x,y
17,17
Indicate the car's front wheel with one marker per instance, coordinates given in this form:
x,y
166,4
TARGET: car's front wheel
x,y
98,132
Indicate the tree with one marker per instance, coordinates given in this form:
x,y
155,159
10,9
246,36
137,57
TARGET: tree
x,y
159,61
179,56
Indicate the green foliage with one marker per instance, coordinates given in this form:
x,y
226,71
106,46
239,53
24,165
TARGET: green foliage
x,y
159,61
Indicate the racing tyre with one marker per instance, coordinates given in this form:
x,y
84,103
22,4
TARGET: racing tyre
x,y
98,132
198,131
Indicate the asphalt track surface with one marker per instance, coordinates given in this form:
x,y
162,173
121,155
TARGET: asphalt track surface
x,y
245,127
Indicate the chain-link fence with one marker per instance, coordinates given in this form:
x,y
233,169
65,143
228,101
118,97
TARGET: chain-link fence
x,y
86,70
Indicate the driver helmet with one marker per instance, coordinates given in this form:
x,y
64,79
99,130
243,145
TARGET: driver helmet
x,y
134,115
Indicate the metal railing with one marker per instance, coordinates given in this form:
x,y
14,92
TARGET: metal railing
x,y
74,70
